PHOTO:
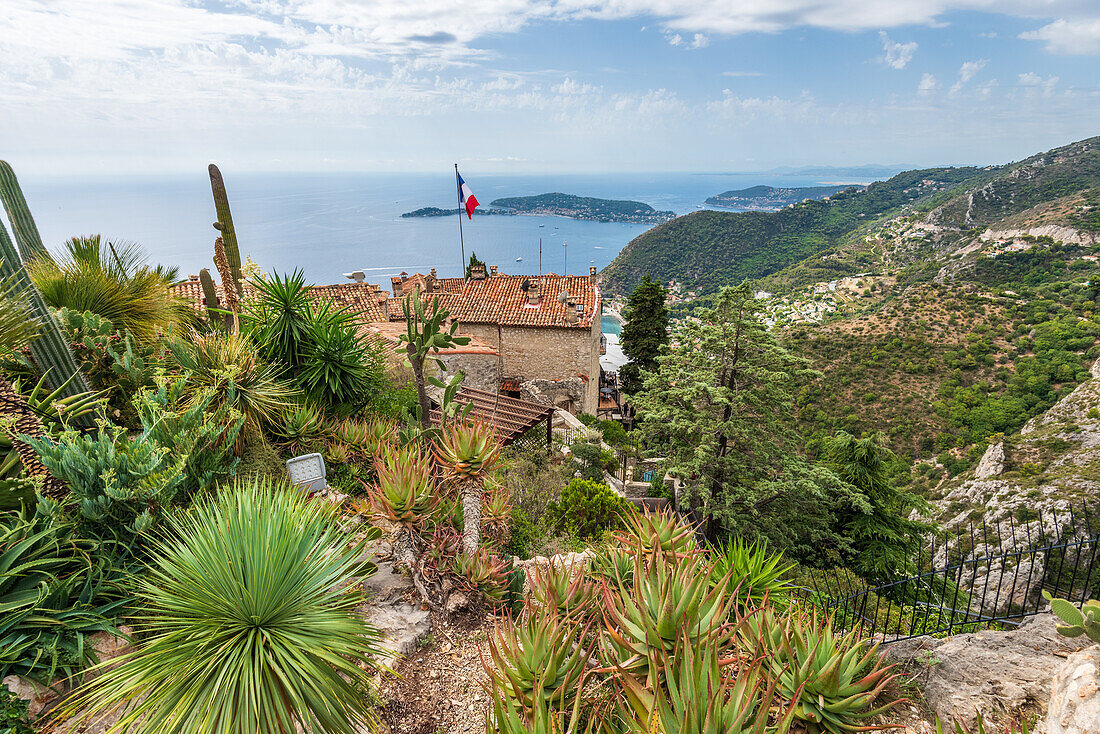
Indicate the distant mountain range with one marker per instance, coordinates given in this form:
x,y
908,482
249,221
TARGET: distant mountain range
x,y
585,208
769,198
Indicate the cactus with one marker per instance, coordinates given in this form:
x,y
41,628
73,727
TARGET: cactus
x,y
225,225
211,296
50,349
1083,621
22,223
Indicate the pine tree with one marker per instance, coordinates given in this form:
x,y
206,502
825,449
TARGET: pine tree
x,y
721,405
645,332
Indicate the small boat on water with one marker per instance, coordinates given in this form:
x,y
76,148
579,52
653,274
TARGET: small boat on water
x,y
591,261
519,259
541,226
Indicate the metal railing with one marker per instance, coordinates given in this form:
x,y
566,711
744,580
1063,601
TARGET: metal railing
x,y
971,578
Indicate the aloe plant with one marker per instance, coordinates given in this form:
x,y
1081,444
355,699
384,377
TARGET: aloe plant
x,y
565,590
660,530
751,573
405,491
537,659
1083,621
485,573
468,450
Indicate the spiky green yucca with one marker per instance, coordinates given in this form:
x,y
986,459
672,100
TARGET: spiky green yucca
x,y
752,573
248,625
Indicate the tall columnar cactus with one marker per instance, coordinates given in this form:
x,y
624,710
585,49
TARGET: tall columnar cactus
x,y
50,349
225,225
22,223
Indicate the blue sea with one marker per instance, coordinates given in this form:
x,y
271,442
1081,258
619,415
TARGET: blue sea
x,y
331,224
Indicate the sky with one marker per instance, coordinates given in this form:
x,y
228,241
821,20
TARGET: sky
x,y
116,87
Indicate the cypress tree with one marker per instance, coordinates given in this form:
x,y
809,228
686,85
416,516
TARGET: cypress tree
x,y
645,332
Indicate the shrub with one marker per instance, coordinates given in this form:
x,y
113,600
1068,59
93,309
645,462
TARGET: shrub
x,y
343,370
13,714
248,625
587,509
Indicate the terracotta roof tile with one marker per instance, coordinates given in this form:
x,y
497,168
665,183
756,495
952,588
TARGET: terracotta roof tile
x,y
361,298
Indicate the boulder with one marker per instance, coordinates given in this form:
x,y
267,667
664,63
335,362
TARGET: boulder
x,y
993,673
1075,695
992,463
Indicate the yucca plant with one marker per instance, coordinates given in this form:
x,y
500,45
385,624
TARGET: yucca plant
x,y
835,678
665,601
247,626
659,530
227,366
751,573
343,369
468,450
565,590
485,573
701,695
539,658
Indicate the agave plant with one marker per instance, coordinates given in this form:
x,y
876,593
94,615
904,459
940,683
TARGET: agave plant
x,y
751,573
405,491
468,450
834,678
611,563
666,601
248,626
227,366
485,572
565,590
699,696
539,659
655,531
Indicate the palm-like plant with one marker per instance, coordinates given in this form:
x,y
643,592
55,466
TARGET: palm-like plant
x,y
248,626
112,280
227,367
280,318
468,450
17,323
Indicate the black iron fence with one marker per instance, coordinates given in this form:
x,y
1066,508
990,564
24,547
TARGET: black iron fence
x,y
973,577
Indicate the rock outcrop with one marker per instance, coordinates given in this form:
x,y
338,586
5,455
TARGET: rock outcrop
x,y
992,463
402,624
1075,695
996,674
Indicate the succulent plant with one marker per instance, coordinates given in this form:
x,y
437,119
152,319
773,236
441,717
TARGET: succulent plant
x,y
612,562
467,449
496,515
835,678
405,491
485,572
565,590
301,426
1083,621
337,454
442,549
665,602
537,659
657,531
751,574
700,696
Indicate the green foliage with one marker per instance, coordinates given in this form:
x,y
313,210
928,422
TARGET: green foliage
x,y
590,459
645,332
249,625
473,261
202,434
280,318
17,322
113,281
119,485
227,367
424,336
587,509
586,207
536,660
53,594
224,225
14,718
721,408
1083,621
751,574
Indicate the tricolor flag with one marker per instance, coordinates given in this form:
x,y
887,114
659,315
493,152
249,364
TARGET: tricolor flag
x,y
465,196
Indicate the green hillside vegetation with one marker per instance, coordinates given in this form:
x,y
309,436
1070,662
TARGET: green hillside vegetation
x,y
584,207
769,197
705,250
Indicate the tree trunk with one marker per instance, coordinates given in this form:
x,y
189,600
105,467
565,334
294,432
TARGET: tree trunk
x,y
421,387
405,554
471,516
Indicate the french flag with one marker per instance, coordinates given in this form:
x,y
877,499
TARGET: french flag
x,y
465,196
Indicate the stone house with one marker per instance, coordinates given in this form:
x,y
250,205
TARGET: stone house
x,y
542,332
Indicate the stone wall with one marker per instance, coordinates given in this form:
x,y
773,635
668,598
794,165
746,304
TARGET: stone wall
x,y
554,354
482,370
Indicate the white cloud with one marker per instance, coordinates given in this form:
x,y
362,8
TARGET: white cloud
x,y
1078,37
967,72
928,84
896,55
1034,84
738,74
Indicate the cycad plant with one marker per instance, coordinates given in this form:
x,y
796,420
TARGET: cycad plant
x,y
248,626
468,450
112,280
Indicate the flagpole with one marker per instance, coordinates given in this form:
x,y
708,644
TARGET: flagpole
x,y
461,241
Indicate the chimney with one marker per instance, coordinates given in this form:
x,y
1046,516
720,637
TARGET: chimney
x,y
432,273
429,281
592,273
571,315
534,297
477,272
492,270
193,278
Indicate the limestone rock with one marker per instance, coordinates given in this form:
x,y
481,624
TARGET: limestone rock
x,y
403,626
994,673
992,463
1075,695
36,695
